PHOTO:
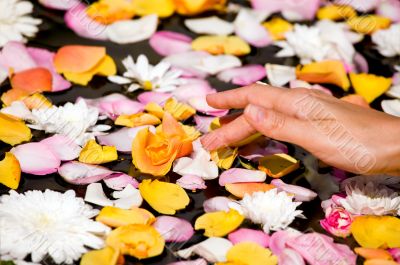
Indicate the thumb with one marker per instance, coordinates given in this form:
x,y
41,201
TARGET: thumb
x,y
275,124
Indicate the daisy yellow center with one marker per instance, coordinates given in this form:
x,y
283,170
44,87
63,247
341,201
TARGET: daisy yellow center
x,y
147,85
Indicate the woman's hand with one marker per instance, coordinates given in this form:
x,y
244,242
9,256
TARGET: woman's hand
x,y
341,134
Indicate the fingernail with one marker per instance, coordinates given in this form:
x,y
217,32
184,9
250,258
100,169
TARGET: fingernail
x,y
255,113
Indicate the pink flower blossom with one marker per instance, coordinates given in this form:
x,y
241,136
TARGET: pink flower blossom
x,y
337,221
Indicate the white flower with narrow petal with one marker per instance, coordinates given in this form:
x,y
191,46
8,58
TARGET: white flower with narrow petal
x,y
16,24
388,41
370,199
77,121
160,77
48,223
272,209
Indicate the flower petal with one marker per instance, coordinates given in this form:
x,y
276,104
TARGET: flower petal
x,y
168,42
237,175
249,235
13,131
278,165
190,262
209,26
280,75
118,181
191,182
301,194
201,105
216,204
241,189
221,45
127,198
251,253
277,242
248,28
93,153
59,5
155,97
116,217
219,224
78,58
63,147
389,9
95,194
10,171
370,86
290,257
173,229
36,158
107,255
391,107
244,75
80,173
162,8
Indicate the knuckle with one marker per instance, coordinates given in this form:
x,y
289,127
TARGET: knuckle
x,y
274,123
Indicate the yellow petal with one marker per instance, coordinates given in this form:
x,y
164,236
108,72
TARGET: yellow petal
x,y
376,231
326,72
336,12
115,217
109,11
277,27
163,8
373,253
179,110
249,253
154,109
221,45
370,86
215,124
218,224
193,7
164,197
248,140
224,157
105,256
37,101
13,131
140,241
278,165
10,171
368,24
105,67
137,119
93,153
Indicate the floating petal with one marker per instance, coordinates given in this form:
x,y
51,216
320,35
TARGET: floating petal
x,y
173,229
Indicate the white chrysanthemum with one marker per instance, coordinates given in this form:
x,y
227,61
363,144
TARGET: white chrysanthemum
x,y
15,21
388,41
48,223
371,199
160,77
274,210
323,41
77,121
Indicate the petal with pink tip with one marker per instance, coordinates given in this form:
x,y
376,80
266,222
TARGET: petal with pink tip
x,y
15,56
277,242
216,204
237,175
173,229
271,6
249,29
295,10
201,105
243,76
249,235
190,262
210,26
262,147
36,158
63,147
203,123
187,62
290,257
77,20
157,97
78,173
118,181
301,194
191,182
389,9
193,89
168,42
59,5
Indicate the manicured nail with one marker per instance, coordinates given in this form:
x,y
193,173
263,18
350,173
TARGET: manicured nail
x,y
255,113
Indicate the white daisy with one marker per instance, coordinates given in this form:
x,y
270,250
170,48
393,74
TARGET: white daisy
x,y
48,223
274,210
388,41
77,121
323,41
160,77
370,199
16,24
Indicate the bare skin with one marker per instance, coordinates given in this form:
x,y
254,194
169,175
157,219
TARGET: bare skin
x,y
341,134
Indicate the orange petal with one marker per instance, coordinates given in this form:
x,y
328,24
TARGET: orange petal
x,y
136,120
380,262
109,11
193,7
357,100
326,72
221,45
179,110
171,127
10,171
105,256
373,253
116,217
12,95
77,58
278,165
13,131
154,109
240,189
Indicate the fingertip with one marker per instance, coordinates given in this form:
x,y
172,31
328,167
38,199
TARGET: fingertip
x,y
210,141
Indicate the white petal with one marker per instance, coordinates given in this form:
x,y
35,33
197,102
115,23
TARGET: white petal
x,y
391,106
280,75
209,25
95,194
215,64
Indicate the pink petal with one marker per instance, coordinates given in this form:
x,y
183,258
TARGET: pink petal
x,y
203,123
193,89
261,148
191,182
395,252
243,76
118,181
301,194
236,175
278,240
15,56
290,257
59,5
292,10
168,42
173,229
249,29
121,139
215,204
361,63
360,5
200,104
44,58
78,21
389,9
78,173
63,147
319,249
156,97
249,235
271,6
36,158
190,262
